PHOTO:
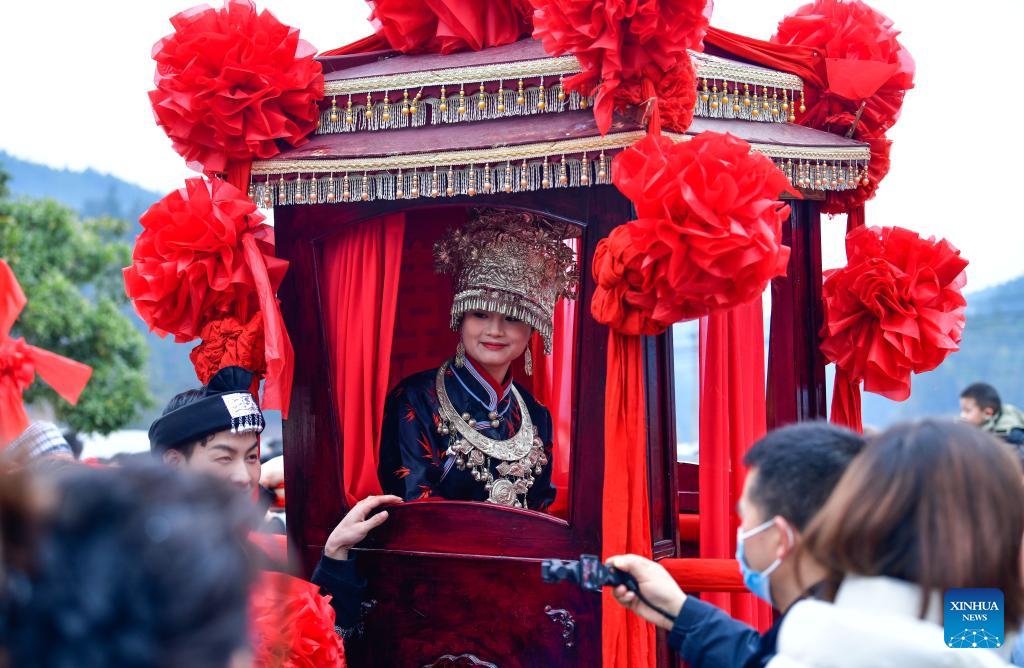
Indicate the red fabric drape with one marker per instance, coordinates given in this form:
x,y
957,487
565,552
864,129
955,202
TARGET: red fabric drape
x,y
553,388
20,362
846,403
732,417
628,641
360,284
802,61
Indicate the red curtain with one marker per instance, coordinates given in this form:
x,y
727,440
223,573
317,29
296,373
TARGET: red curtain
x,y
553,388
360,286
627,640
732,417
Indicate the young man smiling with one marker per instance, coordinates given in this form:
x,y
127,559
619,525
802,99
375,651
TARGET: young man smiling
x,y
214,430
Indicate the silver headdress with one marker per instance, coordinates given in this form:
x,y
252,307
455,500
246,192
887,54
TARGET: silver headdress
x,y
510,262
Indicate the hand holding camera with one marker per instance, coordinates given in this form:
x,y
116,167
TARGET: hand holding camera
x,y
658,598
639,584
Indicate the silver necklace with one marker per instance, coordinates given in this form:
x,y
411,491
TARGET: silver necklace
x,y
521,456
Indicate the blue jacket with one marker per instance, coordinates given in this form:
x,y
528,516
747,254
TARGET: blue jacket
x,y
707,637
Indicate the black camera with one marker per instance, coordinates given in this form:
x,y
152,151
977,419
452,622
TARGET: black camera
x,y
589,573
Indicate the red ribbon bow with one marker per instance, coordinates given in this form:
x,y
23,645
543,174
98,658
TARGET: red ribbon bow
x,y
20,362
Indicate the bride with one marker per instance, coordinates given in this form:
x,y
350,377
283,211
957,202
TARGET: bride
x,y
467,431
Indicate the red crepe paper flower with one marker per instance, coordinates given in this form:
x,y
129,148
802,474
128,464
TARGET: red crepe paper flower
x,y
615,41
292,624
843,201
20,362
708,237
625,296
230,342
447,26
188,263
896,308
230,82
675,92
864,61
205,254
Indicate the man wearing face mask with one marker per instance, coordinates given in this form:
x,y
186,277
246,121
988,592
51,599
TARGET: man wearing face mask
x,y
792,471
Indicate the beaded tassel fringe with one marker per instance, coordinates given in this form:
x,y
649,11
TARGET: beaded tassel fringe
x,y
406,113
471,180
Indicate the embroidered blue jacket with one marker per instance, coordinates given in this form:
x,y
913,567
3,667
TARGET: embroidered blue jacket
x,y
414,462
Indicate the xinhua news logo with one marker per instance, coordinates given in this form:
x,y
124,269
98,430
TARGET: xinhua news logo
x,y
973,618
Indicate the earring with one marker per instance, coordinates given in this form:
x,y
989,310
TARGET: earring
x,y
528,362
460,355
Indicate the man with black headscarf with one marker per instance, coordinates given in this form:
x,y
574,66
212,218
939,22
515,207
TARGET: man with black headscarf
x,y
215,430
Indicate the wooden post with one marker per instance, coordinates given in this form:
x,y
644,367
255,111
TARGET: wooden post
x,y
796,369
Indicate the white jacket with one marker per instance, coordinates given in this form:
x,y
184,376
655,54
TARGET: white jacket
x,y
874,623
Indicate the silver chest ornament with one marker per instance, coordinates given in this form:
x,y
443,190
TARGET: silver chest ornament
x,y
520,457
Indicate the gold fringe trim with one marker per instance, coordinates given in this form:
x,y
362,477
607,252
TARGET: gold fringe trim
x,y
445,158
705,66
497,90
454,76
569,163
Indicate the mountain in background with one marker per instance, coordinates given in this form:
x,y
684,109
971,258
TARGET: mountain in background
x,y
90,193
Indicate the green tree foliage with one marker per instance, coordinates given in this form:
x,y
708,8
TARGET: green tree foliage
x,y
70,270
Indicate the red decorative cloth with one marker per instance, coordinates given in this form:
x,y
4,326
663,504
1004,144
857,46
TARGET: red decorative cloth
x,y
361,270
20,362
618,41
204,254
229,342
674,92
864,61
292,624
627,640
447,26
732,417
230,82
708,237
895,309
866,70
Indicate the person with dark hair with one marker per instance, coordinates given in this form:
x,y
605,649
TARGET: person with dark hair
x,y
981,406
791,473
927,507
75,443
105,573
215,430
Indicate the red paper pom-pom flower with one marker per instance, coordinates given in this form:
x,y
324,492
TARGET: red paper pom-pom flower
x,y
230,82
205,254
675,92
292,624
896,308
709,233
625,297
229,342
189,266
447,26
864,61
615,40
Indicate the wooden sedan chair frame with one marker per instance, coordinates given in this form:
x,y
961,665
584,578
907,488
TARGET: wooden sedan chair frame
x,y
457,583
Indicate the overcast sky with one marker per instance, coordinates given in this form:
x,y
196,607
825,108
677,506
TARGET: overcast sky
x,y
76,74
